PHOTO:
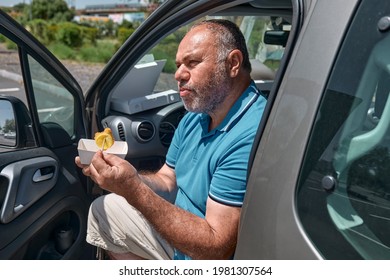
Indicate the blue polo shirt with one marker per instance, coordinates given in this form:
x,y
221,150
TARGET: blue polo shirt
x,y
214,163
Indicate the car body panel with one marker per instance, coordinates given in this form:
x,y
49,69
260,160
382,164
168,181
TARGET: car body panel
x,y
270,225
275,171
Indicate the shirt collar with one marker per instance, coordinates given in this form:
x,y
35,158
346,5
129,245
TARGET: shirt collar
x,y
247,98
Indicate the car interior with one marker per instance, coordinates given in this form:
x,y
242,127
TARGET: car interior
x,y
144,107
44,198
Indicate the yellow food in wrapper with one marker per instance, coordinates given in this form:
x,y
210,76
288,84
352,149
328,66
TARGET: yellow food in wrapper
x,y
104,137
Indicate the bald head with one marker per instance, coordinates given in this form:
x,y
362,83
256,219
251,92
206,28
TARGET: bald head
x,y
227,37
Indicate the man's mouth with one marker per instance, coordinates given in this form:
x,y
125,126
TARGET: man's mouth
x,y
184,91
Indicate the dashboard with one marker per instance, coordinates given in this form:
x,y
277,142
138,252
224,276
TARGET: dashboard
x,y
148,133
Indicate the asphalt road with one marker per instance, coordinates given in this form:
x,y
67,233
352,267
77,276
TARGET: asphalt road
x,y
9,86
7,141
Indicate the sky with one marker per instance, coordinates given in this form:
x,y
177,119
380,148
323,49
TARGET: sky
x,y
80,4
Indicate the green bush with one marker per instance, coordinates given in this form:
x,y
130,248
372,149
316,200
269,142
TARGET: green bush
x,y
69,34
123,34
166,49
89,34
8,43
11,45
44,31
62,51
170,65
101,53
256,37
39,28
52,30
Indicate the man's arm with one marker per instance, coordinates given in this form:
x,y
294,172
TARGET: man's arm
x,y
211,238
214,237
163,182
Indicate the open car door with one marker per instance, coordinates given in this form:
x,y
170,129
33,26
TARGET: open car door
x,y
43,200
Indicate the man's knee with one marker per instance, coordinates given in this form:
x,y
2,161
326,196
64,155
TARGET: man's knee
x,y
105,203
96,206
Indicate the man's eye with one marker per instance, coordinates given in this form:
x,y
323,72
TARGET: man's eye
x,y
193,63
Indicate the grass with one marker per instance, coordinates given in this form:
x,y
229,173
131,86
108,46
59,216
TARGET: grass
x,y
100,52
61,51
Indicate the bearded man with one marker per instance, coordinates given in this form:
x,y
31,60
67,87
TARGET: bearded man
x,y
206,164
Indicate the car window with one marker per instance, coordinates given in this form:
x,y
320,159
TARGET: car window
x,y
343,197
265,58
154,73
53,101
11,84
12,80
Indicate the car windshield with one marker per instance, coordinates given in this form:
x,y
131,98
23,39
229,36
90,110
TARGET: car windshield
x,y
153,75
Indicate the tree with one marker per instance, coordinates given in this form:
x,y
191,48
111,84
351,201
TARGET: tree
x,y
55,10
19,8
9,125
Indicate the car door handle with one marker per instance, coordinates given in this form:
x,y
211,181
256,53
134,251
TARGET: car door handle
x,y
43,174
28,180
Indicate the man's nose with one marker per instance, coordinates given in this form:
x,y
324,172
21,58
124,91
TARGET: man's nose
x,y
182,74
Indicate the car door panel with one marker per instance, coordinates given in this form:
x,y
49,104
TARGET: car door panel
x,y
61,203
282,151
28,180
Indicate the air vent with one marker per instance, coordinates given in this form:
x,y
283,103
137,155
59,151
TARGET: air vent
x,y
166,132
121,132
144,131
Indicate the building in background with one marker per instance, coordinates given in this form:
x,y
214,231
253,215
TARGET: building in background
x,y
132,11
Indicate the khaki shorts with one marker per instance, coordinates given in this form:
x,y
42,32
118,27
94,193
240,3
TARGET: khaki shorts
x,y
114,225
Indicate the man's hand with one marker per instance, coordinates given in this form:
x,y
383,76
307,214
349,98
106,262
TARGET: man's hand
x,y
111,173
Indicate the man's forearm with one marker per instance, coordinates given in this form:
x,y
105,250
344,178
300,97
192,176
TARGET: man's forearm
x,y
158,185
185,231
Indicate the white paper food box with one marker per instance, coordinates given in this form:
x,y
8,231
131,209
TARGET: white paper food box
x,y
87,148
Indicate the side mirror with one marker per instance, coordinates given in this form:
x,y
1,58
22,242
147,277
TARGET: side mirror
x,y
15,124
7,124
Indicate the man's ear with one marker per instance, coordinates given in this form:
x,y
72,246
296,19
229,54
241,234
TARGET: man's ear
x,y
235,59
